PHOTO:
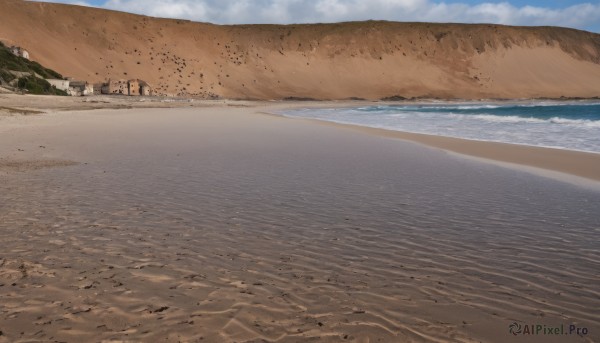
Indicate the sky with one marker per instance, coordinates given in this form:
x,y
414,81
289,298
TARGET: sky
x,y
578,14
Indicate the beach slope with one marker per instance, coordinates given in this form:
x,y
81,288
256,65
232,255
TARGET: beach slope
x,y
221,224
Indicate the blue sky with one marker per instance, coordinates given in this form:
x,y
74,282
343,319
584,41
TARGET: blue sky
x,y
569,13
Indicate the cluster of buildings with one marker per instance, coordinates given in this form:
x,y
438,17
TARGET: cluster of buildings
x,y
73,88
126,87
132,87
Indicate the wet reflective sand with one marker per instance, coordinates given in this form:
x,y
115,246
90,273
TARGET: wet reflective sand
x,y
219,225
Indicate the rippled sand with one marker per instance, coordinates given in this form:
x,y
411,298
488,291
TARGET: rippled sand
x,y
219,225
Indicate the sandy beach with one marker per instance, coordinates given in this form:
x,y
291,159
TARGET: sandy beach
x,y
219,222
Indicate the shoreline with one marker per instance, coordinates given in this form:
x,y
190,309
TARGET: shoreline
x,y
567,165
39,101
573,163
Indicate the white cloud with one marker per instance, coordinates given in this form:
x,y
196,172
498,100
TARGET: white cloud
x,y
584,15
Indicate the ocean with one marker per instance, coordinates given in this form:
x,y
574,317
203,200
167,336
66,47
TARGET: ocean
x,y
564,125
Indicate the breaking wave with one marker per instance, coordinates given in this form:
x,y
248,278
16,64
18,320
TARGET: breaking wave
x,y
567,125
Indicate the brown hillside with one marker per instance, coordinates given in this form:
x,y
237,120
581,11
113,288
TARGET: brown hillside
x,y
371,60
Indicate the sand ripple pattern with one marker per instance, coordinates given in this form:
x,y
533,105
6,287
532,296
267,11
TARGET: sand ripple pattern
x,y
344,237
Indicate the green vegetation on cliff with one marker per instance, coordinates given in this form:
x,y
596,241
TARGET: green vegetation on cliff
x,y
35,85
31,83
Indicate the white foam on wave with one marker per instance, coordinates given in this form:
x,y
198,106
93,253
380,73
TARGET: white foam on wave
x,y
517,119
496,119
417,108
464,107
557,132
578,122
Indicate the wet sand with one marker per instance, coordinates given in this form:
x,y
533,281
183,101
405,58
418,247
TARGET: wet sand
x,y
216,224
562,164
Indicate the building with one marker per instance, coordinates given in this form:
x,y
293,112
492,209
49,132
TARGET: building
x,y
18,51
80,88
126,87
116,87
134,87
145,89
98,88
63,85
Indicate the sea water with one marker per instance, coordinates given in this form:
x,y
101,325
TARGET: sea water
x,y
564,125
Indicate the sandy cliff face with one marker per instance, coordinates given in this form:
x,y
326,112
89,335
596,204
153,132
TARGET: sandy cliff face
x,y
370,60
